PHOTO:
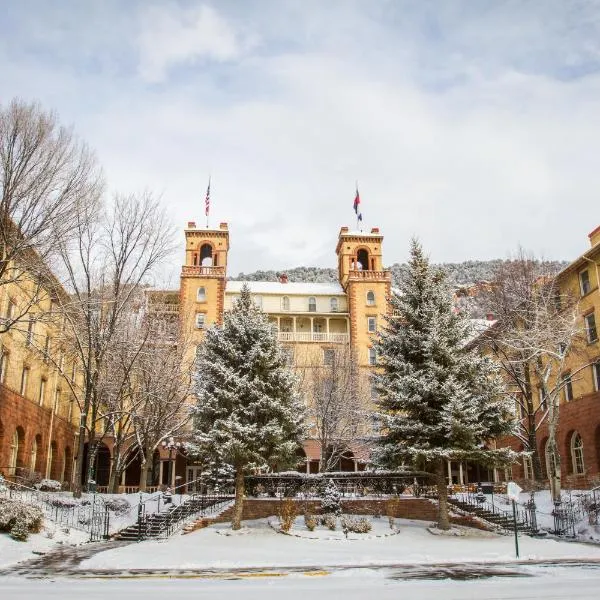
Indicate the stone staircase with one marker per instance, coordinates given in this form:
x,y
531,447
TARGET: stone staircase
x,y
492,514
171,519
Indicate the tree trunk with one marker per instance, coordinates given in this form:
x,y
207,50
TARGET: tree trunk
x,y
79,466
238,508
536,464
145,470
115,473
442,486
554,476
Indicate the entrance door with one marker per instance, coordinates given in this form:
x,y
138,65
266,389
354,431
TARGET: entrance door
x,y
193,476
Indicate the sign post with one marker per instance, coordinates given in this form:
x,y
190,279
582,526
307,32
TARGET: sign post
x,y
513,491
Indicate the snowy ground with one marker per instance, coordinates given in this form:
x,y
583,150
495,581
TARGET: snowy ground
x,y
261,546
50,537
550,584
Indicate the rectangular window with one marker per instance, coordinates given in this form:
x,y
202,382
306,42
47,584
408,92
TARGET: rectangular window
x,y
10,310
3,366
568,386
527,467
200,320
30,332
372,324
42,394
47,348
372,356
24,380
328,356
584,282
73,373
596,375
57,395
590,328
312,305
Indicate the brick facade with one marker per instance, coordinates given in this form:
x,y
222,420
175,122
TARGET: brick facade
x,y
33,424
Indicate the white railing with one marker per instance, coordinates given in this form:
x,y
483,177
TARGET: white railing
x,y
332,338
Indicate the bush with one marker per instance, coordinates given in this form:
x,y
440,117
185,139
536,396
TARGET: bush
x,y
330,504
330,521
310,521
19,519
355,525
288,512
62,501
48,485
119,506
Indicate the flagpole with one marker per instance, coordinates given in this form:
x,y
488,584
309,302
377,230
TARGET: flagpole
x,y
207,202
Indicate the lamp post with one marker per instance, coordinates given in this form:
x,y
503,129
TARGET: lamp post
x,y
170,444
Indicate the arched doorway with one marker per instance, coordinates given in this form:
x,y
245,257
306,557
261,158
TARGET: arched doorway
x,y
346,462
362,260
67,465
54,462
206,256
101,467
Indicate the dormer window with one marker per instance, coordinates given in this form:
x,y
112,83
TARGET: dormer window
x,y
333,304
285,303
312,304
371,298
201,294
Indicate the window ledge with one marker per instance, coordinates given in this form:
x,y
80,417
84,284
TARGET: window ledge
x,y
588,293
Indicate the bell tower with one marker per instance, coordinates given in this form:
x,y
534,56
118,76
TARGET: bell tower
x,y
203,277
367,285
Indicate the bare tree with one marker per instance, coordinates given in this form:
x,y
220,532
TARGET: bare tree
x,y
45,172
103,267
536,331
337,398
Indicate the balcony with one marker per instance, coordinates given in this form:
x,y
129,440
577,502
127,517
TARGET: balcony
x,y
327,338
163,307
370,275
198,271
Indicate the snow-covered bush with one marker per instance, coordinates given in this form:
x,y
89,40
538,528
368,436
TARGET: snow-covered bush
x,y
19,519
330,521
360,525
288,511
120,506
331,499
310,521
48,485
62,501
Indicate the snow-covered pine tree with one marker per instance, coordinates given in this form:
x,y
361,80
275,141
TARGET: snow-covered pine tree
x,y
438,401
331,501
248,412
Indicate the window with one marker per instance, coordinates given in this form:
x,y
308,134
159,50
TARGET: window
x,y
57,395
73,373
328,356
371,298
333,304
258,302
568,387
372,356
24,380
285,303
3,366
527,466
71,402
577,454
590,328
14,452
47,344
584,282
312,304
372,324
33,455
596,375
30,332
10,310
200,319
42,393
201,294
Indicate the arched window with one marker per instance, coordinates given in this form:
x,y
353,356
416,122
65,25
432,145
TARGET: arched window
x,y
577,454
362,260
3,366
285,303
371,298
201,294
333,304
14,451
206,255
312,304
33,455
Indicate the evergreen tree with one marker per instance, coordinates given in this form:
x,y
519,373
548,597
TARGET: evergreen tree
x,y
248,412
438,400
331,502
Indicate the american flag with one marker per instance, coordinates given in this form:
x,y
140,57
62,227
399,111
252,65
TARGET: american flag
x,y
207,199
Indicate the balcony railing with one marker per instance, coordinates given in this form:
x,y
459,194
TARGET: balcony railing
x,y
332,338
356,274
163,307
198,271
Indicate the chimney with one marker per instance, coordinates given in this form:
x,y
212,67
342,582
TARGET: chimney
x,y
283,278
223,226
375,230
343,230
595,237
191,225
489,317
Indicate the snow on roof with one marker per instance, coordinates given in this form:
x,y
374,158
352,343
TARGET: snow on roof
x,y
287,289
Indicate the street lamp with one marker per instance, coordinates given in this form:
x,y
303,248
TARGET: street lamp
x,y
170,444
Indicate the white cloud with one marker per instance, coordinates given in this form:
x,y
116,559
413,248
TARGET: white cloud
x,y
171,36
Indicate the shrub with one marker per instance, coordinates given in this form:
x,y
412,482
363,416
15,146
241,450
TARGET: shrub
x,y
310,521
48,485
62,501
119,506
19,519
287,514
330,521
355,525
330,504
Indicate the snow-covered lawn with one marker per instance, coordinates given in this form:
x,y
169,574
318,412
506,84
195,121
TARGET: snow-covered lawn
x,y
50,537
261,546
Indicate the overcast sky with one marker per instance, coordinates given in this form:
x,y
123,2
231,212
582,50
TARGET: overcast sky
x,y
474,125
